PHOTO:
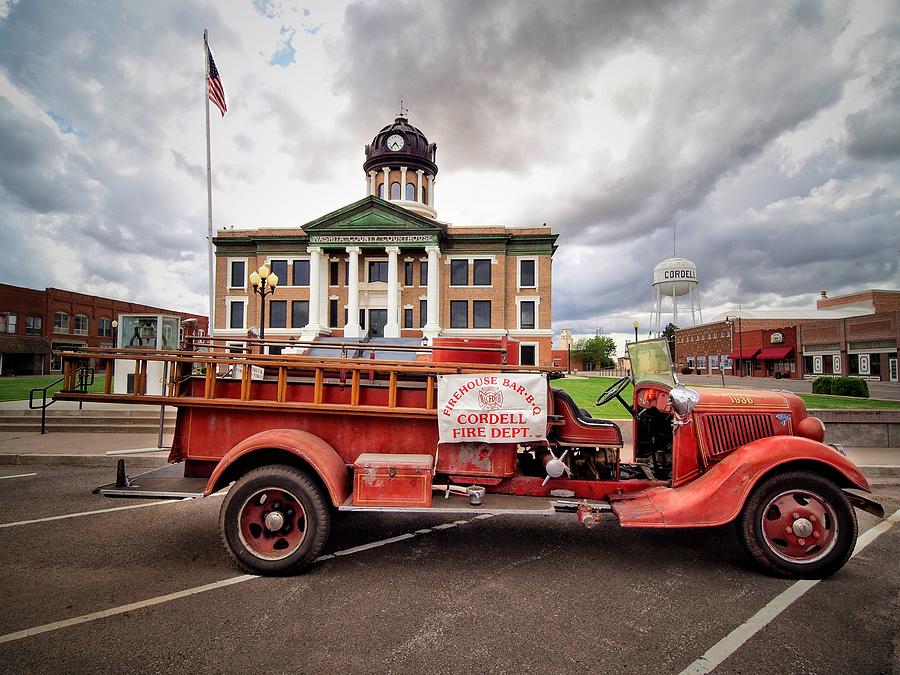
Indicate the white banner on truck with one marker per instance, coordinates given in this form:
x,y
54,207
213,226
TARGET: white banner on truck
x,y
492,408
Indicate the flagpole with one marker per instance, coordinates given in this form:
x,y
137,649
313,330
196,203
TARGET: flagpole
x,y
209,224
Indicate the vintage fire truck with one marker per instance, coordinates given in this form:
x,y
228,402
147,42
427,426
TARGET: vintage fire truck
x,y
460,430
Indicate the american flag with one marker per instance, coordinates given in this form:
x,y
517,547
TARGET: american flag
x,y
216,90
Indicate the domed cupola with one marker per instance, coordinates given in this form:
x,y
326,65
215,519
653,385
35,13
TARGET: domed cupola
x,y
400,167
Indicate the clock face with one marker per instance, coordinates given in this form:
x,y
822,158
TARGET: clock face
x,y
395,142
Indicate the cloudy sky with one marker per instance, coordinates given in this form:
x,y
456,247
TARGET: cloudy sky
x,y
767,136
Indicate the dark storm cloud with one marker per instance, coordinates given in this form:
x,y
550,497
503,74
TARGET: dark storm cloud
x,y
874,132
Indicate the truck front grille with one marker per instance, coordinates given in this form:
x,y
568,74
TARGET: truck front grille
x,y
725,433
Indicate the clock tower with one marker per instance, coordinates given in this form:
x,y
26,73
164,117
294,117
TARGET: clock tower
x,y
400,167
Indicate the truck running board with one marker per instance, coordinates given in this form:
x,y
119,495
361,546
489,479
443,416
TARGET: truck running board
x,y
509,505
167,482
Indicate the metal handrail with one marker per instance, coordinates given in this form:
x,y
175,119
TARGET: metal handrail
x,y
85,379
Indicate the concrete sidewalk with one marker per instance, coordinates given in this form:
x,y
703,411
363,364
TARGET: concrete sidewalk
x,y
90,449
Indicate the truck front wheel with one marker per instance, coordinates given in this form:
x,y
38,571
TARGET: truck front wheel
x,y
798,524
274,520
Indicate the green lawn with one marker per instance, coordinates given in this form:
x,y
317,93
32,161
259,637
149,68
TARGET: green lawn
x,y
17,388
819,401
585,392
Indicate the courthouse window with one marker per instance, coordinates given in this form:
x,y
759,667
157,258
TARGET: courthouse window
x,y
378,270
279,269
410,192
238,270
299,313
277,313
407,317
481,273
459,314
395,190
459,272
423,313
301,273
408,273
526,315
333,267
236,314
526,274
481,314
423,273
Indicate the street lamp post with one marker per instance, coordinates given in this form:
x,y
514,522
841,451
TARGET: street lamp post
x,y
635,325
264,283
115,333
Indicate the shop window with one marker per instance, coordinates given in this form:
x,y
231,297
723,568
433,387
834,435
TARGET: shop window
x,y
423,313
459,272
408,273
237,272
8,323
459,314
279,269
378,270
277,313
60,322
526,315
81,324
299,313
407,317
481,314
527,276
410,192
34,325
104,327
395,191
481,273
301,273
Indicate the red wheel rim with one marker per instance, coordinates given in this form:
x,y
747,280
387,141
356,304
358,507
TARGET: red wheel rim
x,y
799,526
272,523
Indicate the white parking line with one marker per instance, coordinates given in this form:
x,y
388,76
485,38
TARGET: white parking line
x,y
19,523
736,638
113,611
18,475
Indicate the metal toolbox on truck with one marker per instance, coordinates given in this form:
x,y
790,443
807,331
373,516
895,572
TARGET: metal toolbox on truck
x,y
392,480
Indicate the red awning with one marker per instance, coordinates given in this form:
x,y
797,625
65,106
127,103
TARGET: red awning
x,y
775,353
746,354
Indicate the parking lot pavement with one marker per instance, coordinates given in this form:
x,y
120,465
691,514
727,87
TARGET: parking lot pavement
x,y
490,594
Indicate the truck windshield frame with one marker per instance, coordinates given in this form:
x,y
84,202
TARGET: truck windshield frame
x,y
651,362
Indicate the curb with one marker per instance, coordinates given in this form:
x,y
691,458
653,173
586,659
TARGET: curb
x,y
136,461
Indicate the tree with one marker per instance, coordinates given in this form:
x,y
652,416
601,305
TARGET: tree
x,y
669,334
597,350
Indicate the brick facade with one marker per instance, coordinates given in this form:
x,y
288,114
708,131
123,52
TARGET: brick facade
x,y
53,318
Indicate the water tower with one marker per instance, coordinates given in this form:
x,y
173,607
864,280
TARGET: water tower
x,y
674,278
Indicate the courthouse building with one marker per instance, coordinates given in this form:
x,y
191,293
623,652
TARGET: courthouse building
x,y
384,268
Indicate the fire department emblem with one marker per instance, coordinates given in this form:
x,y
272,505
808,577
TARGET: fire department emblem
x,y
783,418
490,398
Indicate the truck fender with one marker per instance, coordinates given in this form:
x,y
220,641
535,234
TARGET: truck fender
x,y
717,497
312,450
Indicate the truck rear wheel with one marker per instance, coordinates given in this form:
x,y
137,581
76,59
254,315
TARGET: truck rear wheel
x,y
274,520
798,524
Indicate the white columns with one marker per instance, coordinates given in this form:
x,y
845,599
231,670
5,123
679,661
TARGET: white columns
x,y
432,304
392,327
387,182
352,328
419,173
402,182
314,327
372,190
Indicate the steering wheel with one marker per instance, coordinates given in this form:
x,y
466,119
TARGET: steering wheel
x,y
613,391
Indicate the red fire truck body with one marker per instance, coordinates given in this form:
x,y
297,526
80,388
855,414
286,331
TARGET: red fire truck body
x,y
304,437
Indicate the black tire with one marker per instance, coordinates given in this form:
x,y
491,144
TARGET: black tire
x,y
798,525
305,517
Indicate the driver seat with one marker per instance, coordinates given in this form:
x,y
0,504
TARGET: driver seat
x,y
579,428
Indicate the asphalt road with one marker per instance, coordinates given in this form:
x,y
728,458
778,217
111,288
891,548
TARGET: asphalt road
x,y
500,594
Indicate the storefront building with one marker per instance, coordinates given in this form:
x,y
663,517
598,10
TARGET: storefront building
x,y
36,323
384,268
